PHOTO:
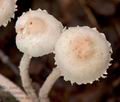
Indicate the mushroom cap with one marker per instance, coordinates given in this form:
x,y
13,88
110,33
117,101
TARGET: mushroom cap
x,y
37,32
82,54
7,9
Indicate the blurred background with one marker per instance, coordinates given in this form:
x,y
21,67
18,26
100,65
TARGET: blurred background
x,y
103,14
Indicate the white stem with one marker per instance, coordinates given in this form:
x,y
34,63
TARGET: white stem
x,y
26,81
45,89
13,89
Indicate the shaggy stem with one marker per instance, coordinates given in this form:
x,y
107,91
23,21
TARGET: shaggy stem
x,y
26,81
45,89
13,89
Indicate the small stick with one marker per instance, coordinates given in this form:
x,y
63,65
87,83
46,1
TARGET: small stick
x,y
45,89
6,60
13,89
26,81
89,14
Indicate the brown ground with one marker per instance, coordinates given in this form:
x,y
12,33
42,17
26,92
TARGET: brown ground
x,y
103,14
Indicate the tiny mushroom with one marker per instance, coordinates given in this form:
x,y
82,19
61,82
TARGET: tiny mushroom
x,y
82,54
37,33
7,10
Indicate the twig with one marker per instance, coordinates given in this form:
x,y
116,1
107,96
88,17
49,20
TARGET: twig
x,y
117,29
89,13
5,59
13,89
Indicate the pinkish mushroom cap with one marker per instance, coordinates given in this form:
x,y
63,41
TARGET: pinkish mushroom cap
x,y
37,32
7,10
82,54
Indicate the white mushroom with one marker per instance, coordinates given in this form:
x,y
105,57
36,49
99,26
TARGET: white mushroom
x,y
7,10
37,33
82,54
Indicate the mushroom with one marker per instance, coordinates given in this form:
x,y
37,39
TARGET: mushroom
x,y
37,33
7,9
82,55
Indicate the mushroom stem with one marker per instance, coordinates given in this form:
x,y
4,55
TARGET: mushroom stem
x,y
45,89
13,89
26,81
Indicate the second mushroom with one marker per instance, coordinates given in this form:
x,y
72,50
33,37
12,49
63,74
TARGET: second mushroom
x,y
37,33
